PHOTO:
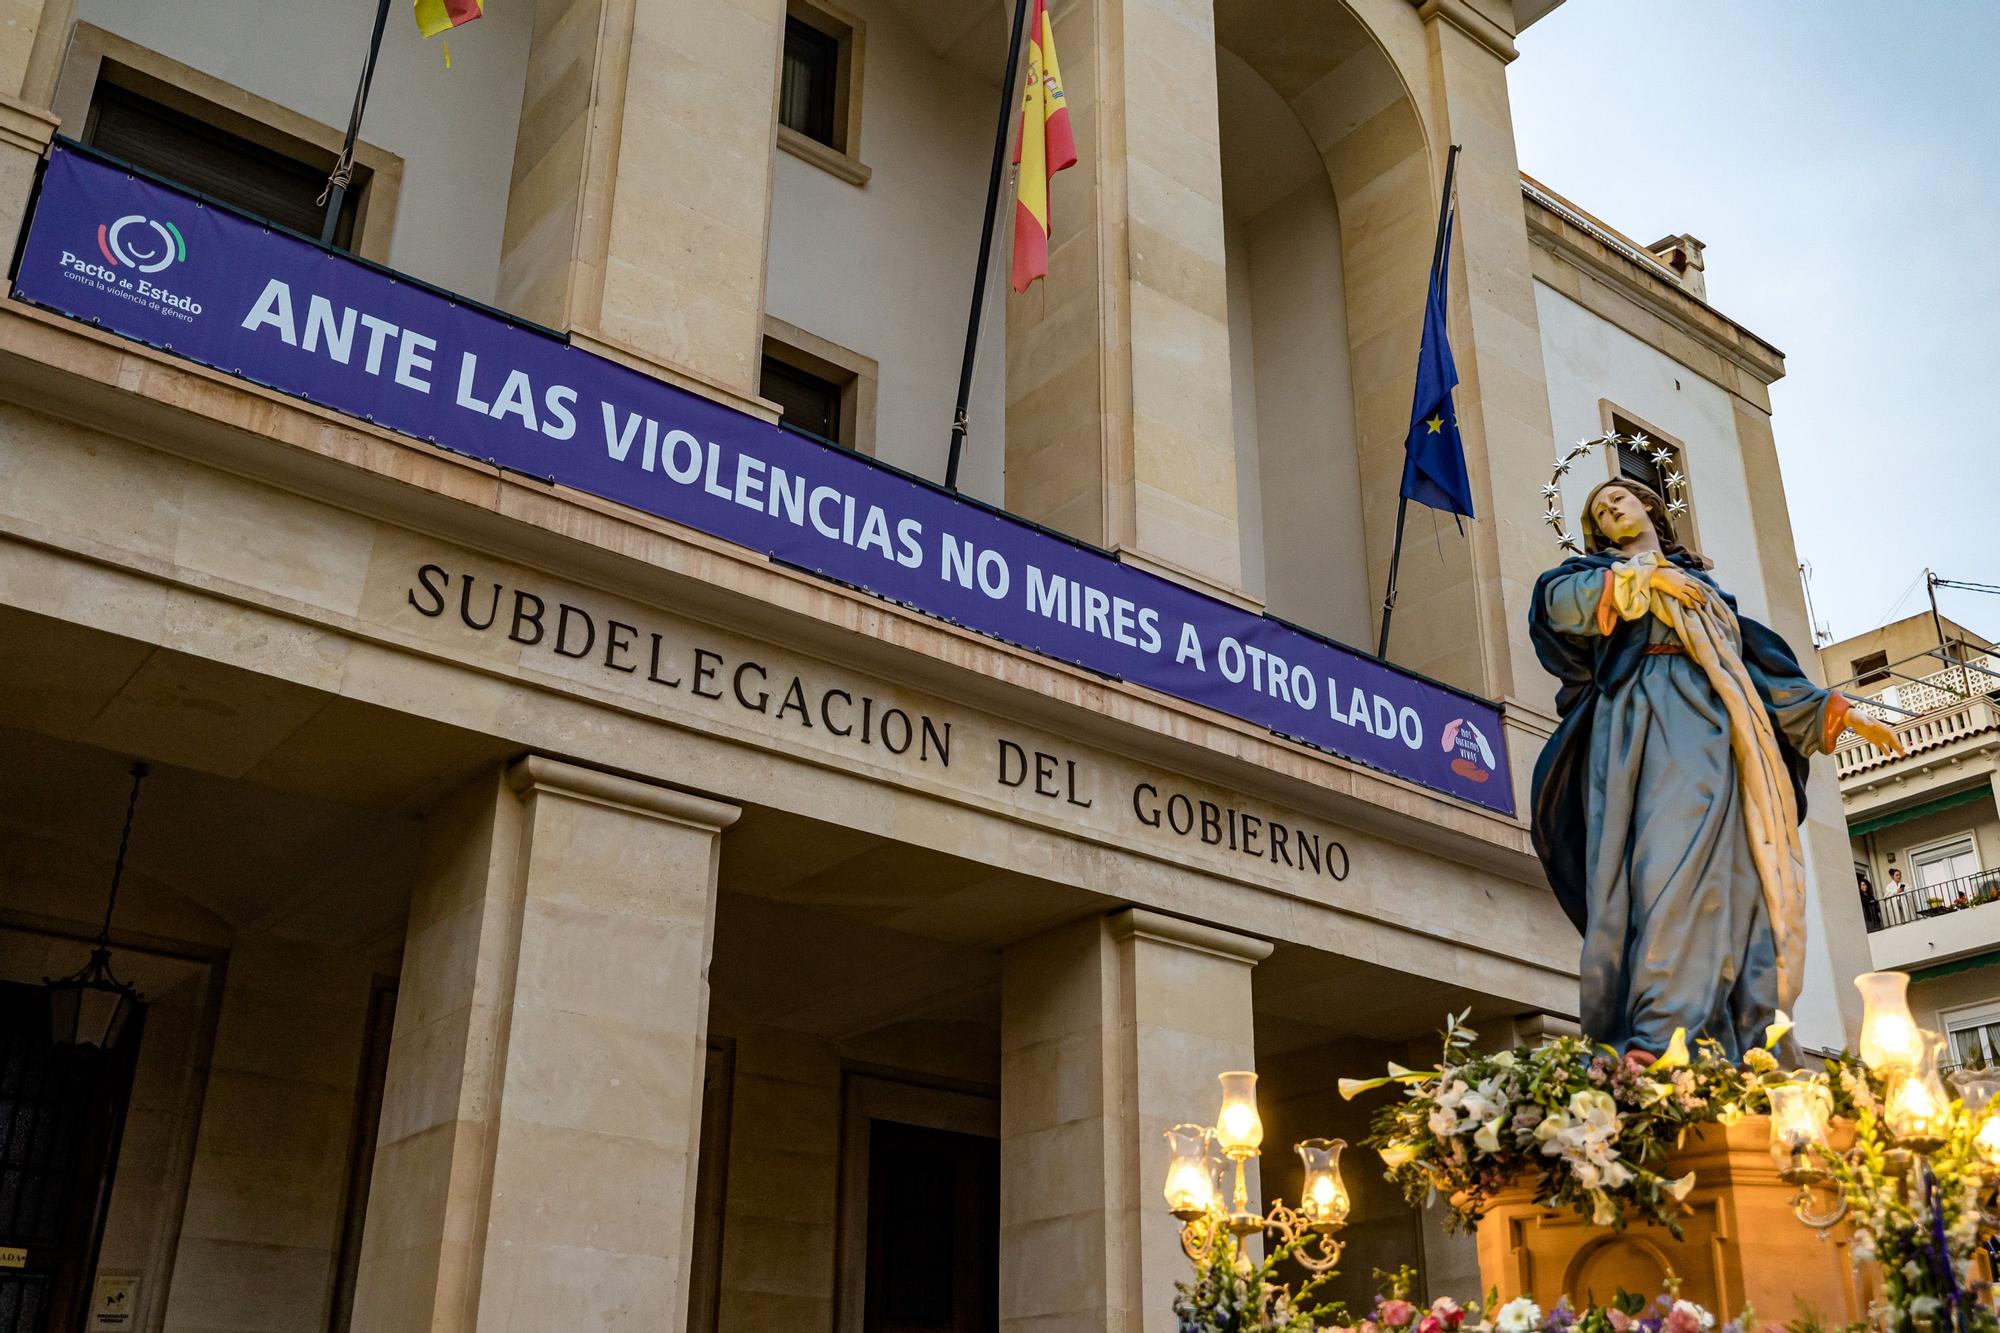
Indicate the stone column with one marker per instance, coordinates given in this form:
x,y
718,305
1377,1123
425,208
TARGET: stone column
x,y
33,34
1119,425
642,184
1502,399
537,1157
1111,1030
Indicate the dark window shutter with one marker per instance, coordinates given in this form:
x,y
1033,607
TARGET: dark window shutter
x,y
809,402
214,162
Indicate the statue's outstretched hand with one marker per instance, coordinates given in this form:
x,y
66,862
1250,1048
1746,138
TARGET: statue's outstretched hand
x,y
1683,587
1876,732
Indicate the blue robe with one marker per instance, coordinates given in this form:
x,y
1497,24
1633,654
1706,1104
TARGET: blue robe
x,y
1638,818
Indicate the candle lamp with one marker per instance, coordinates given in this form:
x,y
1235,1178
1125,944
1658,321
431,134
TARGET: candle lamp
x,y
1890,1039
1917,1109
1209,1208
1799,1115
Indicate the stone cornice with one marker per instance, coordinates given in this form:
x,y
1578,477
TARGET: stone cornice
x,y
1466,17
1660,295
25,126
1164,929
537,772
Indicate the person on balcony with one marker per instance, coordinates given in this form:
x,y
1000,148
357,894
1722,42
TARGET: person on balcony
x,y
1871,911
1667,802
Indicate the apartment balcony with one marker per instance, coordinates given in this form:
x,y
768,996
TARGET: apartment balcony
x,y
1936,923
1943,746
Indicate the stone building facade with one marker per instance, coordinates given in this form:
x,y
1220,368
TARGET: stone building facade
x,y
788,958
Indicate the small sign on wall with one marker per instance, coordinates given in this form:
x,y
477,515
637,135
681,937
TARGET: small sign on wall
x,y
13,1256
114,1302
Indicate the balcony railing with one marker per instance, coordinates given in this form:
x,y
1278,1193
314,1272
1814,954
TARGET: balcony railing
x,y
1954,895
1968,717
1965,675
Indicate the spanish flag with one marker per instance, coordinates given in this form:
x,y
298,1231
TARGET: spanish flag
x,y
1046,146
436,16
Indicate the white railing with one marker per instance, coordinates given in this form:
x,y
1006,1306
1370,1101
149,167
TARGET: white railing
x,y
1968,717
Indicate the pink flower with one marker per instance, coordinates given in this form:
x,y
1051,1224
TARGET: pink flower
x,y
1620,1321
1445,1313
1398,1314
1430,1323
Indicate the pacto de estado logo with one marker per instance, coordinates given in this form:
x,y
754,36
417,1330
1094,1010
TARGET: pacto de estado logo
x,y
1474,758
137,241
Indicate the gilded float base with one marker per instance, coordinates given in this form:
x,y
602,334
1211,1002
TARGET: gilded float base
x,y
1741,1244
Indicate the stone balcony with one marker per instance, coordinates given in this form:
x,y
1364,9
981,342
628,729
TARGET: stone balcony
x,y
1941,745
1925,936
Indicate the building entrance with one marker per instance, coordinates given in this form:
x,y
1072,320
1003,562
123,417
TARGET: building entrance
x,y
61,1109
933,1230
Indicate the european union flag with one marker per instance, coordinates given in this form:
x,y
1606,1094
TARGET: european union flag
x,y
1433,455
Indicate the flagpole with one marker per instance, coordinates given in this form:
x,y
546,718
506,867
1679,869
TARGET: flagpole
x,y
343,167
1010,111
1403,501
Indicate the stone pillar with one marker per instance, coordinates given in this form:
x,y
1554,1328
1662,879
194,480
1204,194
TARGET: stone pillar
x,y
642,184
1111,1030
538,1149
1119,423
1502,398
33,34
25,132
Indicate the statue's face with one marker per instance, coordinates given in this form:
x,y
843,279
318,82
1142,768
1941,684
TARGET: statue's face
x,y
1619,514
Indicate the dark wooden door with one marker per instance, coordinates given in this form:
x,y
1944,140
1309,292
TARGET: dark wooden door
x,y
61,1111
933,1231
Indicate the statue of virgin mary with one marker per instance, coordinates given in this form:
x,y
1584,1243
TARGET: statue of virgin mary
x,y
1667,803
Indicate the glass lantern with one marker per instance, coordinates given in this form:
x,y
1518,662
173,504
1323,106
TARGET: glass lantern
x,y
1239,1130
1889,1036
1918,1110
1190,1172
1975,1088
1799,1113
1323,1197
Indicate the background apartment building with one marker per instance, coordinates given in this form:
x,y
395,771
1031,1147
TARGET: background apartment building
x,y
494,984
1924,827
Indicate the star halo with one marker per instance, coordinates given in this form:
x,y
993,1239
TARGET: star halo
x,y
1551,494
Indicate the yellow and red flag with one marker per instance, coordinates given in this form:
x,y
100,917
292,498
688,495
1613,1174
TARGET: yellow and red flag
x,y
436,16
1046,147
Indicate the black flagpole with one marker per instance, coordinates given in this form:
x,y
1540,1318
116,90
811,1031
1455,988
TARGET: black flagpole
x,y
343,169
1010,111
1403,502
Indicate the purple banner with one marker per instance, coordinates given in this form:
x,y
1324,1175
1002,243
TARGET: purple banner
x,y
158,266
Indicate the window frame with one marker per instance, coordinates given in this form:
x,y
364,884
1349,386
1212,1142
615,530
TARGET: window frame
x,y
856,376
97,56
840,155
1865,670
1625,422
1965,842
1968,1018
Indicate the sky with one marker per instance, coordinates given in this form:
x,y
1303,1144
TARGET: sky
x,y
1841,160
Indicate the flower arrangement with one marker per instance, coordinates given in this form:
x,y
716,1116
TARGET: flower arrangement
x,y
1589,1130
1586,1126
1919,1220
1231,1295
